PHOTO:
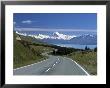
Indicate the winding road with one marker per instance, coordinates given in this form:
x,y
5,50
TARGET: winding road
x,y
54,65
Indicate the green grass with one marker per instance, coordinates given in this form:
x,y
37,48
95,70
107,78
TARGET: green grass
x,y
25,52
41,48
24,56
87,59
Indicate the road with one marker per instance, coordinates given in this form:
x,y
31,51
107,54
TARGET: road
x,y
54,65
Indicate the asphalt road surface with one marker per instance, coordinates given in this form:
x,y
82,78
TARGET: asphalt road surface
x,y
54,65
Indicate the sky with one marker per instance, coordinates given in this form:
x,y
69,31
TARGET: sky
x,y
55,21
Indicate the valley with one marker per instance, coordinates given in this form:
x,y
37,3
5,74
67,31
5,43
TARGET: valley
x,y
29,50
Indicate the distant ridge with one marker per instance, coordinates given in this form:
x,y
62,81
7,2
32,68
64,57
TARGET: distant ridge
x,y
85,39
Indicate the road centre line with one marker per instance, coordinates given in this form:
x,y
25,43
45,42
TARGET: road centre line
x,y
47,69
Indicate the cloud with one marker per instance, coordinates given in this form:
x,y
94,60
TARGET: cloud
x,y
27,21
14,23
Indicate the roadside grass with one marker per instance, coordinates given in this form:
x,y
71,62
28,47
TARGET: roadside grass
x,y
26,53
24,56
87,59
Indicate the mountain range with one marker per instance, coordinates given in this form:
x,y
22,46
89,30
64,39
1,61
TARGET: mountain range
x,y
58,38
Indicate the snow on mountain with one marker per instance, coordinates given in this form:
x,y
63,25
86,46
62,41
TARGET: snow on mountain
x,y
24,34
62,36
56,35
40,36
85,39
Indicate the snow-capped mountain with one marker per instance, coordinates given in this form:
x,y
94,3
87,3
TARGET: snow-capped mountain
x,y
56,37
80,40
24,34
86,39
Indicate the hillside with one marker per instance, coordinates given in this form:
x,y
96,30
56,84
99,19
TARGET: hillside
x,y
26,52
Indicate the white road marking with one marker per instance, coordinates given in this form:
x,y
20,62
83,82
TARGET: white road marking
x,y
47,69
82,68
53,65
58,59
33,63
79,66
29,65
50,68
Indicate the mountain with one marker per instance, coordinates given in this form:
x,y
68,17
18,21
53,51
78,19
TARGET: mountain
x,y
56,35
58,38
85,40
80,40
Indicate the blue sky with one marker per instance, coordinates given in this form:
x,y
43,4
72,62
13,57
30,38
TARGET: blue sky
x,y
53,21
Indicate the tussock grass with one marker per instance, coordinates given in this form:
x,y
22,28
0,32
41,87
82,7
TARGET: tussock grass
x,y
87,59
25,52
24,56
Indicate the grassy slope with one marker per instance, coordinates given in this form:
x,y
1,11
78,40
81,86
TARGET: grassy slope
x,y
88,60
24,55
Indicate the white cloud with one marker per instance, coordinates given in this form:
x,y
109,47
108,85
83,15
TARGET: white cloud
x,y
14,23
27,21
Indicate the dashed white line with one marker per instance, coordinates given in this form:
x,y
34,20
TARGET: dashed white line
x,y
58,59
50,68
47,69
56,62
53,65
